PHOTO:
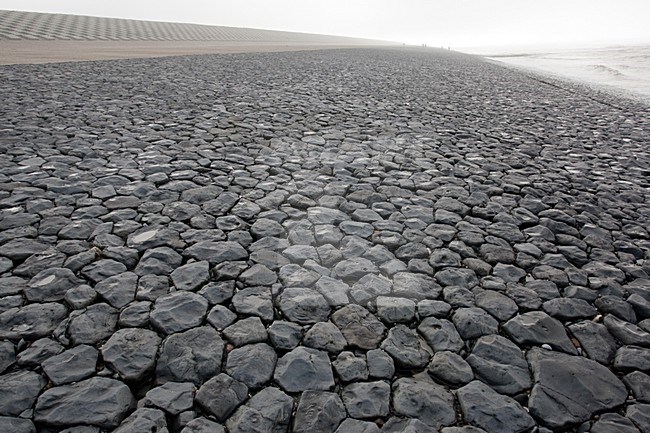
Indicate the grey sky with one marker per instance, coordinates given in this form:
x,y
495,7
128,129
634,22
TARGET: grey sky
x,y
456,23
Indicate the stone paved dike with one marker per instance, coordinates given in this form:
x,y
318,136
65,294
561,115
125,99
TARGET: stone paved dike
x,y
341,241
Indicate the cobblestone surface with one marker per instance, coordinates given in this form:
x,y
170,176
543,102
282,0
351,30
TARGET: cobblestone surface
x,y
343,240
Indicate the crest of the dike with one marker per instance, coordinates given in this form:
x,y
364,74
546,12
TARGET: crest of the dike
x,y
354,240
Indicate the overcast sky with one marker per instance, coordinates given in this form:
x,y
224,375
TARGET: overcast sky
x,y
456,23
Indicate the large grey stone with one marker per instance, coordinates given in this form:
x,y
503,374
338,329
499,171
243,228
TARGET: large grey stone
x,y
367,400
216,252
267,411
304,369
221,395
172,397
118,290
420,398
131,352
98,401
570,389
359,327
538,328
51,285
72,365
18,391
178,312
143,419
483,407
406,347
31,321
191,356
92,325
252,364
304,305
318,411
501,364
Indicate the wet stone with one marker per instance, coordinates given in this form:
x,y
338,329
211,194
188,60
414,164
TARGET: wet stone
x,y
39,351
191,276
639,384
102,269
221,395
474,322
131,352
395,310
499,363
440,335
72,365
119,290
31,321
97,401
318,411
252,364
51,285
497,304
483,407
626,333
538,328
143,419
325,336
216,252
415,286
269,410
406,347
19,390
359,327
285,335
158,261
349,367
632,357
304,369
422,399
570,389
135,315
450,368
366,400
304,305
80,296
190,356
246,331
178,312
254,301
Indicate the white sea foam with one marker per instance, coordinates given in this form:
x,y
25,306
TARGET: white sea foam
x,y
624,68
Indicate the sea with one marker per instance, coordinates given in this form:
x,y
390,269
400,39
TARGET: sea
x,y
622,69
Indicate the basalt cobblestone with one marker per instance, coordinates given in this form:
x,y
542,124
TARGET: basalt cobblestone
x,y
344,240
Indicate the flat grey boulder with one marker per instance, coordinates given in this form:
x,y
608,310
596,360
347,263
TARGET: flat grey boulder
x,y
323,215
178,312
131,352
18,391
354,269
359,327
221,395
483,407
31,321
421,398
304,305
267,411
118,290
51,285
191,276
304,369
570,389
172,397
367,400
318,411
158,261
499,363
191,356
252,364
406,347
98,401
538,328
441,335
93,324
216,252
143,419
72,365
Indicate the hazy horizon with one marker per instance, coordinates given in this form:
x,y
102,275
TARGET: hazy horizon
x,y
471,25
